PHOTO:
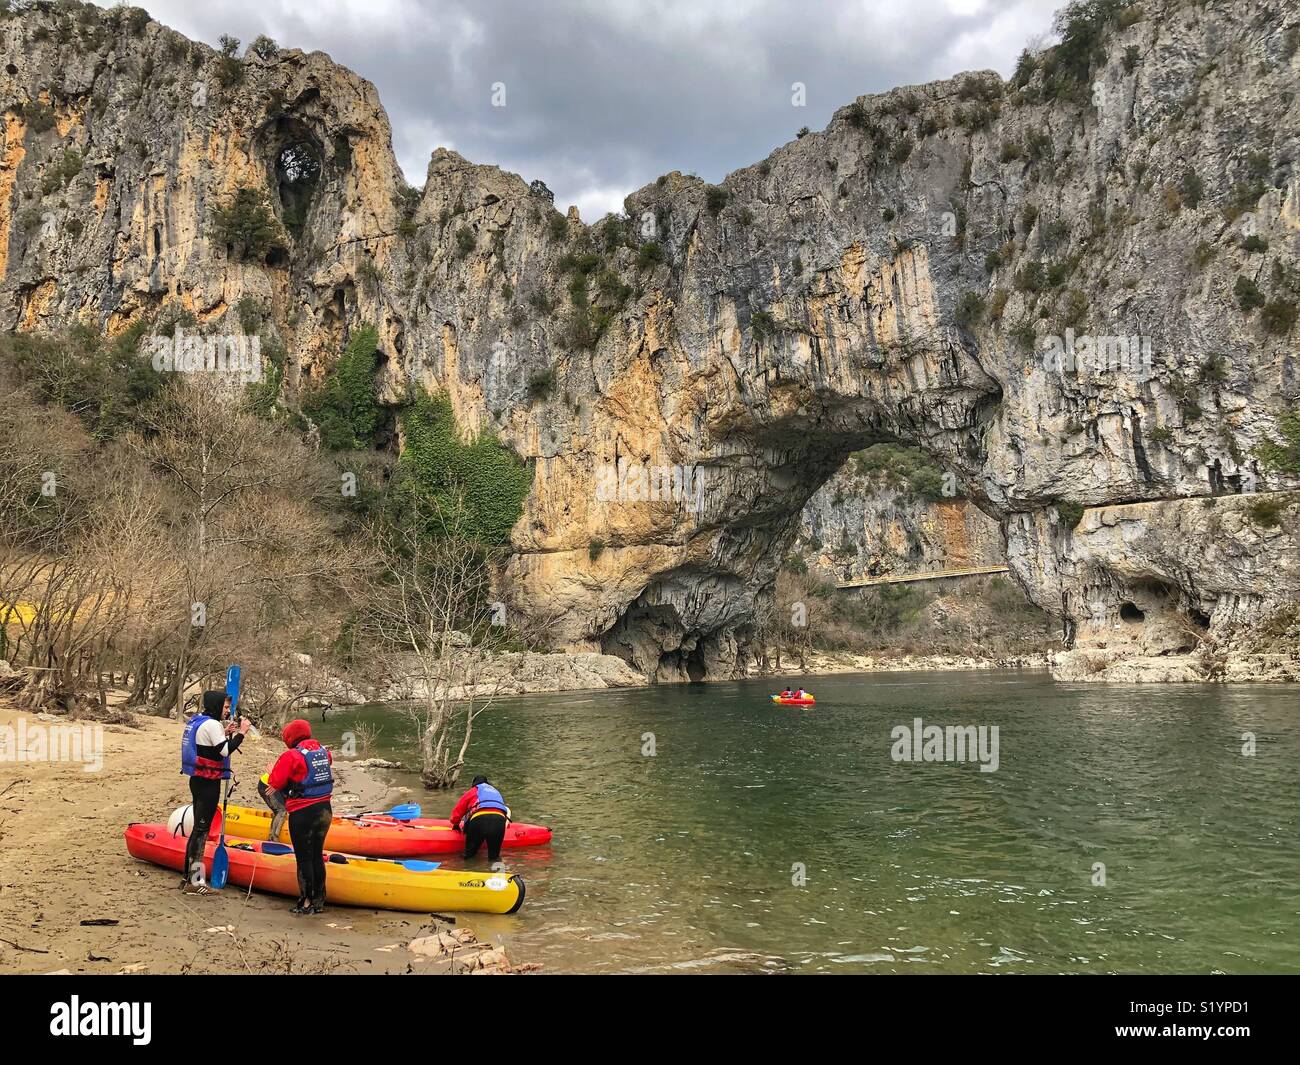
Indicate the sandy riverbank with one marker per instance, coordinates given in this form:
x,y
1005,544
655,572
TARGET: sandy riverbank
x,y
63,862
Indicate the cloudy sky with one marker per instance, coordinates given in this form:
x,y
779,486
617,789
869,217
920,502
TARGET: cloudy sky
x,y
603,96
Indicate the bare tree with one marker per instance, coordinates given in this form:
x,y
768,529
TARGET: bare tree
x,y
106,551
427,611
252,546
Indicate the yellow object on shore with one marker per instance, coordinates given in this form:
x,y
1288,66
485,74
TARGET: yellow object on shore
x,y
21,613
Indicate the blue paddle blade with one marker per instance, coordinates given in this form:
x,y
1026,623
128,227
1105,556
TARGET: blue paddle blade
x,y
417,866
232,689
220,867
405,811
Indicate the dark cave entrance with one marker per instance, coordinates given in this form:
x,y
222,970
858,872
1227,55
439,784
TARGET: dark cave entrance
x,y
297,165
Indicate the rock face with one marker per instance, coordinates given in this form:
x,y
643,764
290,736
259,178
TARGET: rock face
x,y
859,526
899,276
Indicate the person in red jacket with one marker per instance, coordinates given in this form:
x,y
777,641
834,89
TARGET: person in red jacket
x,y
484,814
303,775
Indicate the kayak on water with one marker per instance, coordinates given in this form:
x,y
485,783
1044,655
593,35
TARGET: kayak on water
x,y
785,700
381,883
381,835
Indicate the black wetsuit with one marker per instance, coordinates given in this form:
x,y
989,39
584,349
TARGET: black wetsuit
x,y
488,827
206,797
307,830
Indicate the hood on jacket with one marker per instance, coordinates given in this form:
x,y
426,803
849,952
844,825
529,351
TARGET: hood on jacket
x,y
295,732
214,704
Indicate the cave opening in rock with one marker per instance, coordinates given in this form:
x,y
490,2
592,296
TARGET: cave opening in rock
x,y
1130,612
696,669
297,172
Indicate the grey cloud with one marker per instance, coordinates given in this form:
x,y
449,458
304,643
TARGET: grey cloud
x,y
602,96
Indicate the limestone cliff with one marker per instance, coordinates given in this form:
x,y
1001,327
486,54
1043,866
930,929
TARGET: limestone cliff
x,y
867,521
898,276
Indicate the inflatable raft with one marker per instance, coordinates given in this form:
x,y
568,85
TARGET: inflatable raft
x,y
419,887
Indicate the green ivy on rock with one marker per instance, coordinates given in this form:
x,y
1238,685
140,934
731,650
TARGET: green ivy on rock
x,y
479,484
344,407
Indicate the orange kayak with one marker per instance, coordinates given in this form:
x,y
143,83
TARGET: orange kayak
x,y
382,836
806,700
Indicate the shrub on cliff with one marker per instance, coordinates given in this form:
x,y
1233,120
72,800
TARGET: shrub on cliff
x,y
1248,294
1069,514
1284,455
344,406
1279,316
649,255
247,225
264,47
59,172
38,116
901,467
479,481
1267,511
104,381
1082,26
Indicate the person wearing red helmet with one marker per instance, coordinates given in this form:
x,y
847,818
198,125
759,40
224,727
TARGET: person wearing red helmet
x,y
304,777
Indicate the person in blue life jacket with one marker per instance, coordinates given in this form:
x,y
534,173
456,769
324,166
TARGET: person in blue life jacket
x,y
206,746
304,776
482,814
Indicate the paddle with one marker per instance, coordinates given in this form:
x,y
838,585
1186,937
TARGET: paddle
x,y
220,859
404,812
389,824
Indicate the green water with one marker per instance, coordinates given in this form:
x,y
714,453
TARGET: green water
x,y
686,860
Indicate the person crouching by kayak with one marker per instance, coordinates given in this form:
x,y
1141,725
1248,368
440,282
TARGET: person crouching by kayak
x,y
303,775
484,814
206,747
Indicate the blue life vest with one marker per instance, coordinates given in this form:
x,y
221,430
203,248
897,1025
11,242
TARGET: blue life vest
x,y
319,781
489,799
194,764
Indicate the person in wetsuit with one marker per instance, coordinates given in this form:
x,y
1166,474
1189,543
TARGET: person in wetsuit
x,y
206,747
303,775
484,815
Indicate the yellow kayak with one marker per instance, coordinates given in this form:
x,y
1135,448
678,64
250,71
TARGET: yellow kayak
x,y
381,883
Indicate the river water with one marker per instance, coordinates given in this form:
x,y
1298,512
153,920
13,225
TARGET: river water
x,y
1124,829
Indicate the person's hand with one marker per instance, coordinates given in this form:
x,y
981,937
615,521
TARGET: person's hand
x,y
244,726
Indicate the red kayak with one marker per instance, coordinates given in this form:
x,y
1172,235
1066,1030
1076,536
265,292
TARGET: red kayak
x,y
518,833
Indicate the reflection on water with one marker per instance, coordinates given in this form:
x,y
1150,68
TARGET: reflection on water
x,y
690,860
